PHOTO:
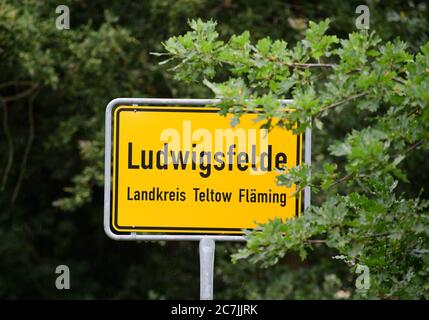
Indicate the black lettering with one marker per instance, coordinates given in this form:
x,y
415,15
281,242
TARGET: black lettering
x,y
143,162
268,156
205,166
130,157
241,162
183,161
281,159
219,159
164,153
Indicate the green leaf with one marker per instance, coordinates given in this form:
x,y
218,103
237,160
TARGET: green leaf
x,y
368,104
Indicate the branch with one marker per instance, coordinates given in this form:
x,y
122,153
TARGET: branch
x,y
378,235
310,65
302,65
22,94
415,145
9,144
315,241
337,104
345,178
15,83
27,148
399,80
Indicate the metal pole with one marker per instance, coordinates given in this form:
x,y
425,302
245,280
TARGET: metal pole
x,y
307,160
207,254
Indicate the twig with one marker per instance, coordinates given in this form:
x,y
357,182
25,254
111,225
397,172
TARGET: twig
x,y
415,145
15,83
21,95
9,144
310,65
346,177
302,65
378,235
399,80
315,241
337,104
27,148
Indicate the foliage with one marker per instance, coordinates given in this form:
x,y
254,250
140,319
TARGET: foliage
x,y
382,84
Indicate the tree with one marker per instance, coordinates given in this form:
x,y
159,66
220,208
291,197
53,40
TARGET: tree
x,y
381,85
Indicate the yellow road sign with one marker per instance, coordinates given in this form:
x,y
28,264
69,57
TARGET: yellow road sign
x,y
185,170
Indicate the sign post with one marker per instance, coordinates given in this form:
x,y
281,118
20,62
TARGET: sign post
x,y
176,170
207,255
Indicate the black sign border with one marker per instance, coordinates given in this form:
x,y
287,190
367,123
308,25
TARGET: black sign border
x,y
193,109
